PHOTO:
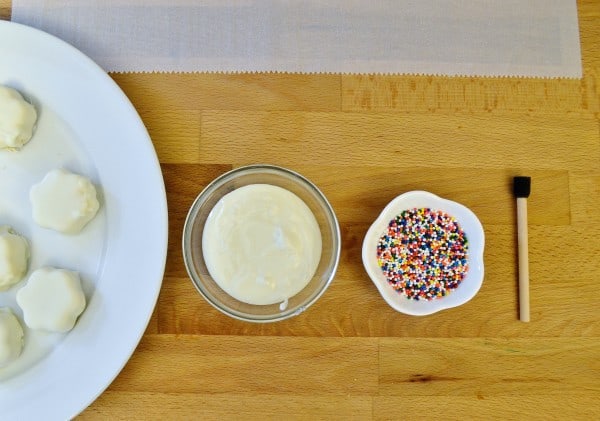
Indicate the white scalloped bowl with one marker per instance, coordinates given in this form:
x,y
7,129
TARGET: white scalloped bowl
x,y
476,240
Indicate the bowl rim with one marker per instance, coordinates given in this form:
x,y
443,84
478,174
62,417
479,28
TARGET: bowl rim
x,y
228,176
463,215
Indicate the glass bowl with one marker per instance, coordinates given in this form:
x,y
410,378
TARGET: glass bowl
x,y
194,256
470,225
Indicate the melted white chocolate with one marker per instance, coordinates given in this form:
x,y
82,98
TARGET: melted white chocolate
x,y
261,244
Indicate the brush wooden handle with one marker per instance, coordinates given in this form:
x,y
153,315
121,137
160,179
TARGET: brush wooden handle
x,y
523,259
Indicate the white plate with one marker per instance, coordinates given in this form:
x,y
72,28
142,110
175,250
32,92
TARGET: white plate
x,y
475,236
86,125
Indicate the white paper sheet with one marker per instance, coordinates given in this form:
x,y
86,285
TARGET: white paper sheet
x,y
538,38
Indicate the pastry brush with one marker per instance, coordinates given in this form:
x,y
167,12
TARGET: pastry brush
x,y
521,190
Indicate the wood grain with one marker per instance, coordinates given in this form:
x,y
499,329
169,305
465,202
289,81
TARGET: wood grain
x,y
460,94
580,406
513,367
239,406
5,9
422,140
364,139
267,365
273,91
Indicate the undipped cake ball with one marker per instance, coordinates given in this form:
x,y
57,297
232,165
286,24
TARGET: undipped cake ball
x,y
52,299
64,201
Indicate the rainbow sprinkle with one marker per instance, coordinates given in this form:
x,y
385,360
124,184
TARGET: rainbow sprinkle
x,y
423,254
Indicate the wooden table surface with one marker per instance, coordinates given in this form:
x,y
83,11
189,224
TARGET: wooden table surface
x,y
363,140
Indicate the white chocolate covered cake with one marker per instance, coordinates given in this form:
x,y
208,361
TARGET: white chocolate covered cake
x,y
14,254
17,119
64,201
52,299
11,337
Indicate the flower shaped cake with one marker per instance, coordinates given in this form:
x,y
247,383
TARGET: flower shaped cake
x,y
52,299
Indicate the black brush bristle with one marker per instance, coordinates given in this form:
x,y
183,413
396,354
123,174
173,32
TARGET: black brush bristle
x,y
522,186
